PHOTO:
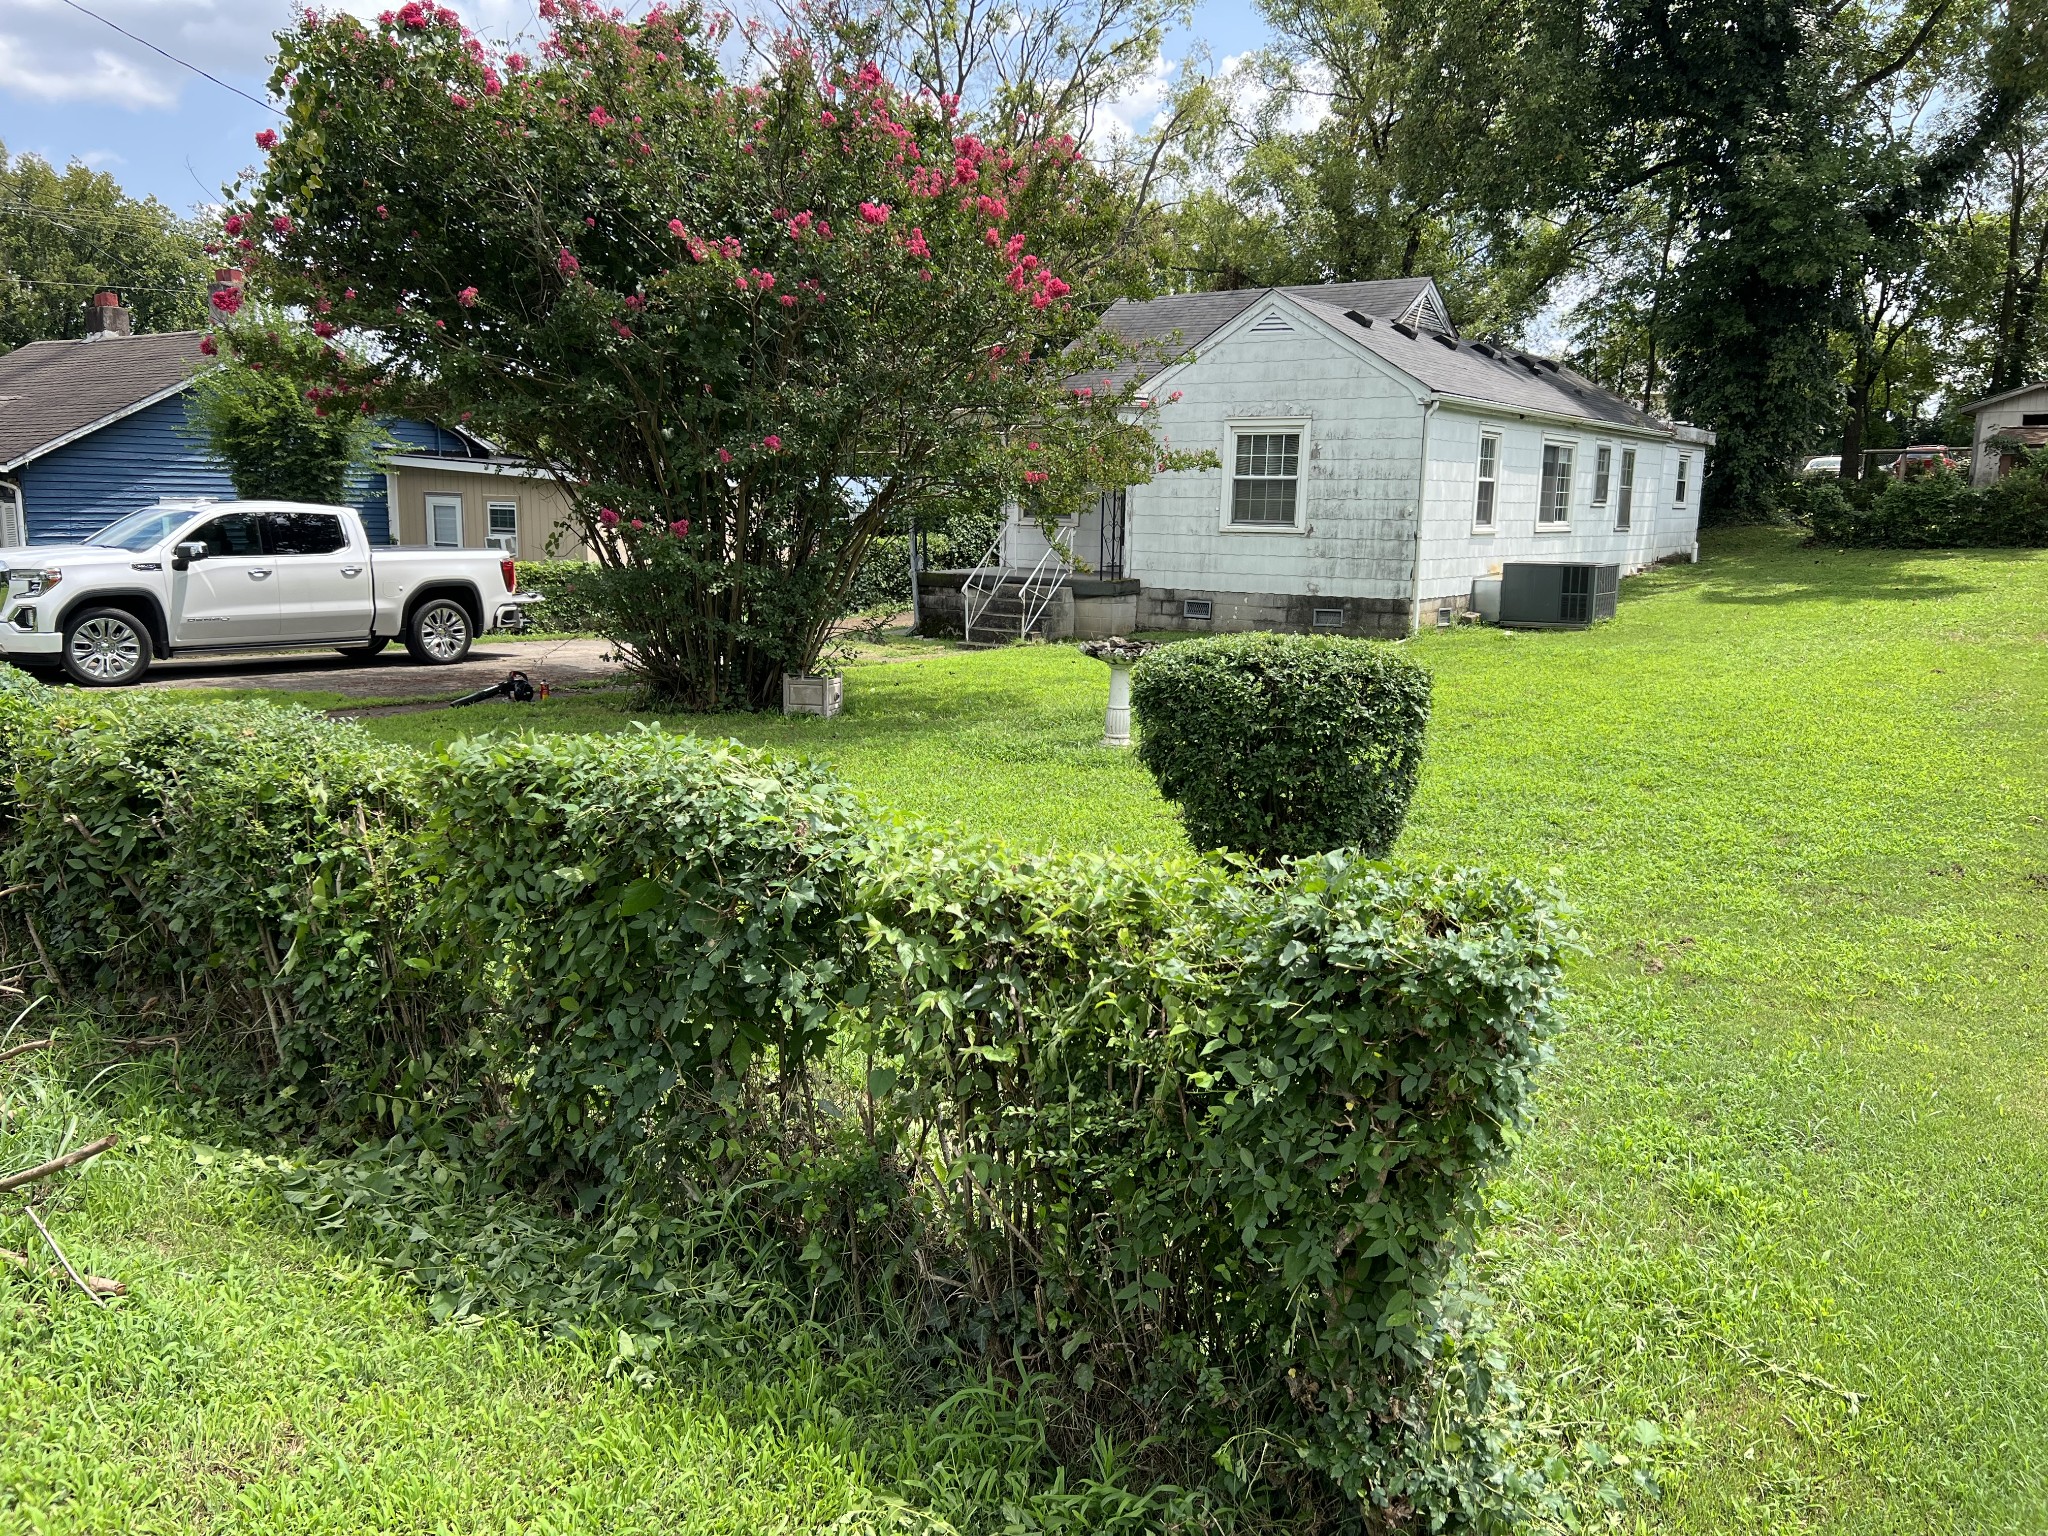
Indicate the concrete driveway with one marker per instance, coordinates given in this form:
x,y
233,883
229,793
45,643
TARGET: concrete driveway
x,y
394,675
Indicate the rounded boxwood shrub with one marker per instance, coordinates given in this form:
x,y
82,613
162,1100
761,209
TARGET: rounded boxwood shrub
x,y
1283,744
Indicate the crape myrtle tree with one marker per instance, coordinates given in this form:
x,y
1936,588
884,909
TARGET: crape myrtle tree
x,y
749,326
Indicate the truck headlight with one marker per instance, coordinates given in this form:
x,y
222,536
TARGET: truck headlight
x,y
35,583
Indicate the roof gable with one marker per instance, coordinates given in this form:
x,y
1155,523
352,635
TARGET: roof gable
x,y
1164,328
54,392
2039,387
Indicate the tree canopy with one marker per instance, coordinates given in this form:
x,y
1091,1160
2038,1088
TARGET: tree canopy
x,y
65,235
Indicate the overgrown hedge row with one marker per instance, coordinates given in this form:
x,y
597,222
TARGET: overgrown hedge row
x,y
1933,511
1200,1145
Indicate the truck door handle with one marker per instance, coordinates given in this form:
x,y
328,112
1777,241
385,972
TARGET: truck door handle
x,y
351,570
258,575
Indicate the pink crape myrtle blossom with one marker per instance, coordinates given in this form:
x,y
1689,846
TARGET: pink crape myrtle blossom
x,y
467,298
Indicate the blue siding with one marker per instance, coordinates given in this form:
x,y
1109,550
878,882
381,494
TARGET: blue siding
x,y
424,437
133,463
144,458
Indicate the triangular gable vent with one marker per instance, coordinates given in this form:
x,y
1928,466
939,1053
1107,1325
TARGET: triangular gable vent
x,y
1272,323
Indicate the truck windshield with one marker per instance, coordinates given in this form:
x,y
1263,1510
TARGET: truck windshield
x,y
140,530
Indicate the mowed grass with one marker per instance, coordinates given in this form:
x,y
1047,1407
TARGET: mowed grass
x,y
1787,1200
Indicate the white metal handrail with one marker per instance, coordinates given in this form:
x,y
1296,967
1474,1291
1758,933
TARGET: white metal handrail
x,y
969,612
1039,589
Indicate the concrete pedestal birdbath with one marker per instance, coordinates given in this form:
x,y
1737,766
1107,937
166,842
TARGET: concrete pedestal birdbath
x,y
1120,654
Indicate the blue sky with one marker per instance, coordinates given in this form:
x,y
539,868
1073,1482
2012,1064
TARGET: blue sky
x,y
73,88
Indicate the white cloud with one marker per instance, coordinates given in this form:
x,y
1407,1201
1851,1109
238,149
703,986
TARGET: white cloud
x,y
100,159
98,75
1133,112
49,52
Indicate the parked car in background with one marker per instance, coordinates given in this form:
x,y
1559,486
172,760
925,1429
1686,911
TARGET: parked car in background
x,y
180,578
1927,459
1822,464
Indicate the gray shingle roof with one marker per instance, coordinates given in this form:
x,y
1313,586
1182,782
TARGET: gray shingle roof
x,y
1162,328
1481,371
50,389
1446,365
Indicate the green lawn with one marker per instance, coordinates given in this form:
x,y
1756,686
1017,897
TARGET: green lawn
x,y
1788,1200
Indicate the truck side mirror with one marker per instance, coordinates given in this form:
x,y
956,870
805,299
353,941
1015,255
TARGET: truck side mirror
x,y
183,556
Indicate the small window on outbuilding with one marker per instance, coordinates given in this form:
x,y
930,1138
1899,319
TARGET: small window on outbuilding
x,y
1684,477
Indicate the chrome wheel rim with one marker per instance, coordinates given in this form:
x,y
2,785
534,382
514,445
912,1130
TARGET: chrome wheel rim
x,y
106,650
444,631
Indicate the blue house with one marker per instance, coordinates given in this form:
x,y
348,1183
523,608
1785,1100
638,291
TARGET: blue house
x,y
93,429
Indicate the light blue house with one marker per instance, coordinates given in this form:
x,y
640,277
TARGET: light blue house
x,y
93,429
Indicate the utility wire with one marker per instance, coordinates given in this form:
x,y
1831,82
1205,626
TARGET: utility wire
x,y
152,47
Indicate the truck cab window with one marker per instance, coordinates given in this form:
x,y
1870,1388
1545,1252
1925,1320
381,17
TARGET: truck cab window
x,y
304,533
237,534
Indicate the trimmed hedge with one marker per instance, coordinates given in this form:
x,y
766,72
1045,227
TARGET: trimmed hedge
x,y
1933,511
1280,745
1198,1146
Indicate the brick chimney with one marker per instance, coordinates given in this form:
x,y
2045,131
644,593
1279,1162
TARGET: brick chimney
x,y
105,317
226,280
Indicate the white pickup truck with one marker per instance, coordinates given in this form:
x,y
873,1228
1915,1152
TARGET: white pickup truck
x,y
179,578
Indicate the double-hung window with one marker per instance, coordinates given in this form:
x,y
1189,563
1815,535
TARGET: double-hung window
x,y
1554,498
1684,475
1603,471
1625,506
1489,480
1265,478
502,530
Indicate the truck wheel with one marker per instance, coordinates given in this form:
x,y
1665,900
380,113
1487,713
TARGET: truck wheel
x,y
364,652
438,633
106,648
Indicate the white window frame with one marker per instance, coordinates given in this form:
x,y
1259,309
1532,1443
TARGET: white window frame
x,y
1232,431
434,501
1684,476
1625,493
1568,447
491,535
1491,521
1603,473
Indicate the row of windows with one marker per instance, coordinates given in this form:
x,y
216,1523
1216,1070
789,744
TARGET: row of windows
x,y
444,523
1265,484
1554,488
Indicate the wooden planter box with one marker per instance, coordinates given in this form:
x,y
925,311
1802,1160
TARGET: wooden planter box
x,y
812,695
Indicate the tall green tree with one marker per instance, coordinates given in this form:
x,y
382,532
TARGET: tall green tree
x,y
65,235
269,425
1393,138
1784,132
